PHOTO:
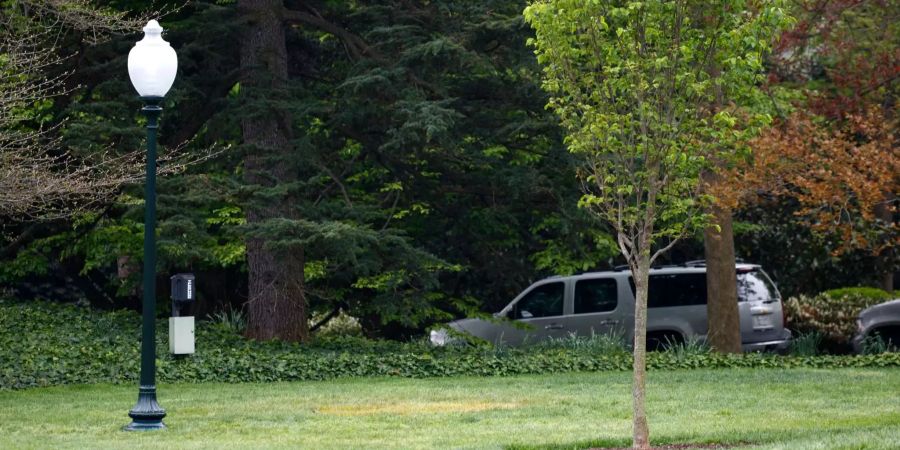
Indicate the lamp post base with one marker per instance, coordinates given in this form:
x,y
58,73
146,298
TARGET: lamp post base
x,y
144,426
147,414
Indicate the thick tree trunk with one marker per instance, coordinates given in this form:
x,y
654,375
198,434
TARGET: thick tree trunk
x,y
277,304
883,261
640,427
723,317
884,212
125,268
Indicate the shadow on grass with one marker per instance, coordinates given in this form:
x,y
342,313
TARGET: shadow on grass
x,y
580,445
728,441
874,436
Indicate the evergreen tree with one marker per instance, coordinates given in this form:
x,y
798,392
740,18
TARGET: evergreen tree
x,y
416,174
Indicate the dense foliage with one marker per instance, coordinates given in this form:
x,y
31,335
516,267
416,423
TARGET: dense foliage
x,y
832,314
800,260
44,343
831,160
431,182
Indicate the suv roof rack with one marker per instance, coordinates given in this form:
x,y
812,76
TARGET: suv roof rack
x,y
661,266
702,262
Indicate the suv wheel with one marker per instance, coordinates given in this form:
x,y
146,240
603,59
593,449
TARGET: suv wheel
x,y
661,340
888,336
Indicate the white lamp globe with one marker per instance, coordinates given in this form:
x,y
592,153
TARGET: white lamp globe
x,y
152,63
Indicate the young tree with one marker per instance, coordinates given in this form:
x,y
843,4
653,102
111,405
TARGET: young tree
x,y
39,178
649,93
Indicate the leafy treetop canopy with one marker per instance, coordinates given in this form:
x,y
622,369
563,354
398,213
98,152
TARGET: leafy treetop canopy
x,y
641,89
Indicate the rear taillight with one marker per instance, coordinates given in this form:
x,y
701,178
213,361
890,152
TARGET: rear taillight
x,y
783,314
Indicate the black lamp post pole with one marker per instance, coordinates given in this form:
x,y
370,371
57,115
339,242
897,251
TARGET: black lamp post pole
x,y
147,414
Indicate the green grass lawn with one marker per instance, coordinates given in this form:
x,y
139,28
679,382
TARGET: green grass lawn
x,y
791,409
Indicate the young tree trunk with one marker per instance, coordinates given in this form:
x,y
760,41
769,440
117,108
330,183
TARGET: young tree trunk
x,y
640,427
722,316
277,304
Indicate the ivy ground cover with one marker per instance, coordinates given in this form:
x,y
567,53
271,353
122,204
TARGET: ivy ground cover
x,y
753,408
45,344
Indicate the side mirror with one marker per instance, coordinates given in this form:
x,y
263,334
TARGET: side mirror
x,y
508,314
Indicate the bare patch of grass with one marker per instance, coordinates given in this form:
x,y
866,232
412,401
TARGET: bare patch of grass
x,y
404,409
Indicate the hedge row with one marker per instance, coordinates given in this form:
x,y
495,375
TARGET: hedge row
x,y
44,344
832,314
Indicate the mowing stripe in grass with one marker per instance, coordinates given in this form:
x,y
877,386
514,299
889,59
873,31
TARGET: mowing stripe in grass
x,y
779,408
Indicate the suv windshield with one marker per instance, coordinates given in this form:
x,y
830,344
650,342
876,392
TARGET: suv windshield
x,y
754,286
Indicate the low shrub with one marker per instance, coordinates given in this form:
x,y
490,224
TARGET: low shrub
x,y
806,344
232,319
342,324
871,293
832,314
689,348
611,343
875,344
44,344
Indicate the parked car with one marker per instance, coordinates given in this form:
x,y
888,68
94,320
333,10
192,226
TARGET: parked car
x,y
603,302
881,321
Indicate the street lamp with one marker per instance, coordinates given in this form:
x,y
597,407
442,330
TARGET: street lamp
x,y
152,64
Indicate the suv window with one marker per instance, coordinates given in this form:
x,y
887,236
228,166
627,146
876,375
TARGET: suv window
x,y
597,295
677,289
543,301
755,286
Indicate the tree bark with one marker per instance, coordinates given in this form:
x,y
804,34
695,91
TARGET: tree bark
x,y
884,212
640,427
277,303
883,265
723,318
20,241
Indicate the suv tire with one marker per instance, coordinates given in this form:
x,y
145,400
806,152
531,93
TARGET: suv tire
x,y
658,341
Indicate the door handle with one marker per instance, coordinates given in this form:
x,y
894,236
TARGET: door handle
x,y
609,322
553,326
